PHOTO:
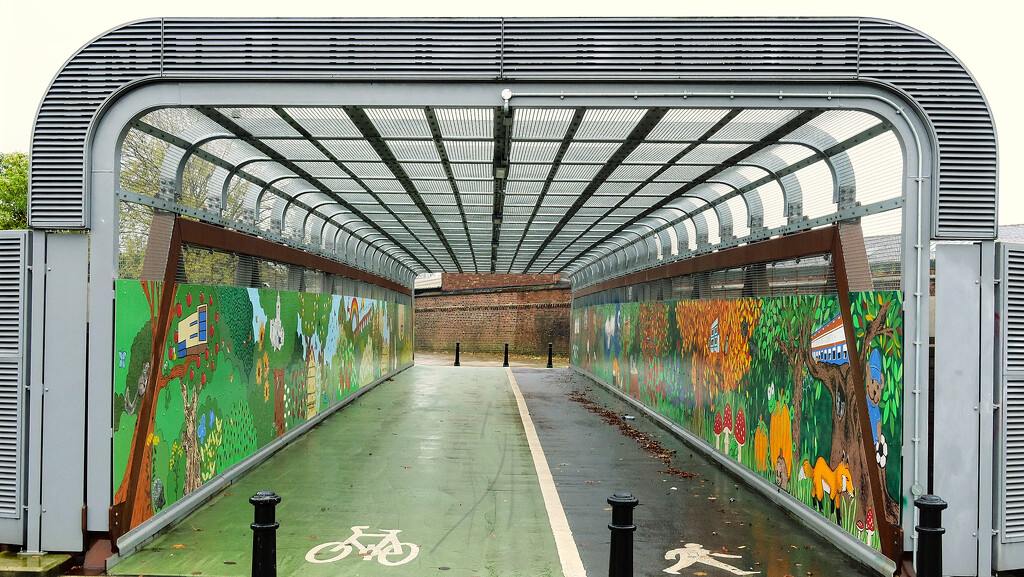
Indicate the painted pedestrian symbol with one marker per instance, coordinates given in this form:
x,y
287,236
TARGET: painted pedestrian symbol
x,y
388,551
696,553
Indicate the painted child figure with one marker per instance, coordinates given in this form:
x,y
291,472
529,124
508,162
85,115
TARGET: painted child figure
x,y
693,553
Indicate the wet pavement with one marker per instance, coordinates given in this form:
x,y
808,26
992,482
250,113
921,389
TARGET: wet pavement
x,y
447,359
733,526
431,473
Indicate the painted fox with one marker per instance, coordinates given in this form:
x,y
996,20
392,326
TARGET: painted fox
x,y
828,482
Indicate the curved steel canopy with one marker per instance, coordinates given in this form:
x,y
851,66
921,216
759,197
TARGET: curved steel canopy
x,y
515,188
426,186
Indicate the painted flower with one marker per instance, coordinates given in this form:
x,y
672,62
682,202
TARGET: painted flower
x,y
201,429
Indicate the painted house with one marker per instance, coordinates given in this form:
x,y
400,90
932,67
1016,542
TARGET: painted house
x,y
192,334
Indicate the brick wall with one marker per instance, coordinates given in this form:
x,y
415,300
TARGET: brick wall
x,y
451,282
526,319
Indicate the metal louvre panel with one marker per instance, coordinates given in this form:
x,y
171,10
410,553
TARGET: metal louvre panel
x,y
13,263
1012,484
10,442
1013,307
524,49
673,48
58,140
1011,438
348,47
966,203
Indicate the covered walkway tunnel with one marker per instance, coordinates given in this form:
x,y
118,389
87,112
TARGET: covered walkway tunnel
x,y
759,218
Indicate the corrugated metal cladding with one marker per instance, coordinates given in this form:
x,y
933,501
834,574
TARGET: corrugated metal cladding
x,y
849,49
13,261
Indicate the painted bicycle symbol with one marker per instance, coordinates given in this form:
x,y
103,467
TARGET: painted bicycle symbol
x,y
388,551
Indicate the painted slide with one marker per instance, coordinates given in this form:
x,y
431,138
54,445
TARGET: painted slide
x,y
239,368
769,382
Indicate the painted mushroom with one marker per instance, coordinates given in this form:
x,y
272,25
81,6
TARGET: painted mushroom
x,y
740,430
727,421
870,526
718,428
860,529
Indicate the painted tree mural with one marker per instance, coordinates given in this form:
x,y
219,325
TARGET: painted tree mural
x,y
781,338
714,335
245,366
768,382
133,499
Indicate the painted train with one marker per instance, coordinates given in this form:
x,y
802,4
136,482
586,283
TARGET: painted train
x,y
828,343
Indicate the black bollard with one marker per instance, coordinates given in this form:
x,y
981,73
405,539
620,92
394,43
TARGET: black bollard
x,y
456,354
264,534
929,536
549,356
505,364
620,557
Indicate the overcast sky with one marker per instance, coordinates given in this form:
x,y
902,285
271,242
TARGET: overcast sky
x,y
37,37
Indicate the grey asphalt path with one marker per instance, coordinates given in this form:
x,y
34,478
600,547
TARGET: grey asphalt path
x,y
590,460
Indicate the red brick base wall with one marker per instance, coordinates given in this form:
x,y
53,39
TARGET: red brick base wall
x,y
525,319
455,281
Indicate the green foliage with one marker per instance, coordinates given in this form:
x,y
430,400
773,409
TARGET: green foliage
x,y
13,190
235,411
866,307
237,311
769,381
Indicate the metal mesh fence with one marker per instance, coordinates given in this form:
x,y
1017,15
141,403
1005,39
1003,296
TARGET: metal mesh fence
x,y
878,265
202,265
883,241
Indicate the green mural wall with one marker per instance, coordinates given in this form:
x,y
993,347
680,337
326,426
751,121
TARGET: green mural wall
x,y
768,382
241,367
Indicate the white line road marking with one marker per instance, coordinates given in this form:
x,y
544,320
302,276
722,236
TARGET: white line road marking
x,y
572,565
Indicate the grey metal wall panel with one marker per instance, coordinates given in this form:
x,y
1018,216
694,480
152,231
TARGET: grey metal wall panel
x,y
63,379
957,402
13,297
805,49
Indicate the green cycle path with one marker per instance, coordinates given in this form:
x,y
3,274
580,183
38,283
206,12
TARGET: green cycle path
x,y
439,455
443,455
